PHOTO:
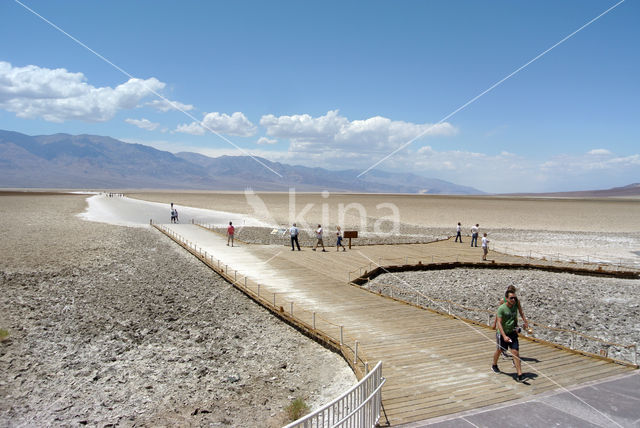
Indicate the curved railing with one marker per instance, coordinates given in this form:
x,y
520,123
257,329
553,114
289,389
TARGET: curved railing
x,y
358,407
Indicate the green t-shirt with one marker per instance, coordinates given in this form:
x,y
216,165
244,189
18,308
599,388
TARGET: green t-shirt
x,y
509,317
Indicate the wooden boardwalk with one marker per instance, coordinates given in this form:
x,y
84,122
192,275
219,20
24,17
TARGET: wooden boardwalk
x,y
434,364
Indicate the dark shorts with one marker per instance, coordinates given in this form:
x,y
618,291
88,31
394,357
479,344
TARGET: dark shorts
x,y
504,345
339,240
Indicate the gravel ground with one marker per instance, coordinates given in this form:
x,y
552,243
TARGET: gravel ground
x,y
118,325
606,308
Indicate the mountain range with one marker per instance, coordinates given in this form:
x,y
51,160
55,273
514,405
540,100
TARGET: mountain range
x,y
632,190
97,162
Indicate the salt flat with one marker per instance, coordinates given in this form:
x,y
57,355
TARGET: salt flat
x,y
602,229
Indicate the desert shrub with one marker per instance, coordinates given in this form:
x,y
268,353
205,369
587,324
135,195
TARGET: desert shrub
x,y
297,409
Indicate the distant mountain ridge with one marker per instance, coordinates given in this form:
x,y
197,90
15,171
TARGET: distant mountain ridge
x,y
91,161
624,191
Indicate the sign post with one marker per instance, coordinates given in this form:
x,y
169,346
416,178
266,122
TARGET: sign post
x,y
350,234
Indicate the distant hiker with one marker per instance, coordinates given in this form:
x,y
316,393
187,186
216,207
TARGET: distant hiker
x,y
230,231
485,246
474,235
174,214
459,232
294,232
339,241
319,239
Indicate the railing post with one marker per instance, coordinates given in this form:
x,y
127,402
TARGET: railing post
x,y
235,275
634,354
314,320
366,367
274,300
245,282
355,354
291,308
258,290
341,335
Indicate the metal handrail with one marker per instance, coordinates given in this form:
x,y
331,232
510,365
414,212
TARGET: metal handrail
x,y
252,288
357,407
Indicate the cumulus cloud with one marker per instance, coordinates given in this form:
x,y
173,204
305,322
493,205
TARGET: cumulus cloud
x,y
167,105
143,123
193,128
236,124
334,131
265,140
57,95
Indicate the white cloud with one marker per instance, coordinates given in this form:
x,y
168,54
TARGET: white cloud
x,y
265,140
166,105
143,123
599,152
192,128
332,130
221,123
57,95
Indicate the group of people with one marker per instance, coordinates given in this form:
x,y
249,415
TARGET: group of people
x,y
294,232
474,238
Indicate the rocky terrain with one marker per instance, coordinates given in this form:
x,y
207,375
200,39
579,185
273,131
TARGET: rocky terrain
x,y
115,325
605,308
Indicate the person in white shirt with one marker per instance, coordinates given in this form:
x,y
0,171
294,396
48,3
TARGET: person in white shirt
x,y
459,232
319,238
339,239
294,236
485,246
474,235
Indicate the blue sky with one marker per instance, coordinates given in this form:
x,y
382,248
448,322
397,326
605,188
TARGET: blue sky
x,y
342,84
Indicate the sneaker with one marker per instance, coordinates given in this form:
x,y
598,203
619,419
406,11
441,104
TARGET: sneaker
x,y
520,378
324,251
495,369
313,249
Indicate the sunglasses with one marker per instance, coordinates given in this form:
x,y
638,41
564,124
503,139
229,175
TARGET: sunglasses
x,y
511,298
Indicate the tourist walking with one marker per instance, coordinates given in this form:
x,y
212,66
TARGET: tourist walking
x,y
507,333
474,235
319,239
230,232
525,323
485,247
294,232
459,232
174,214
339,241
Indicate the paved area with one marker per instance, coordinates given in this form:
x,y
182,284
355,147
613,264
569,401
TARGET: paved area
x,y
612,402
